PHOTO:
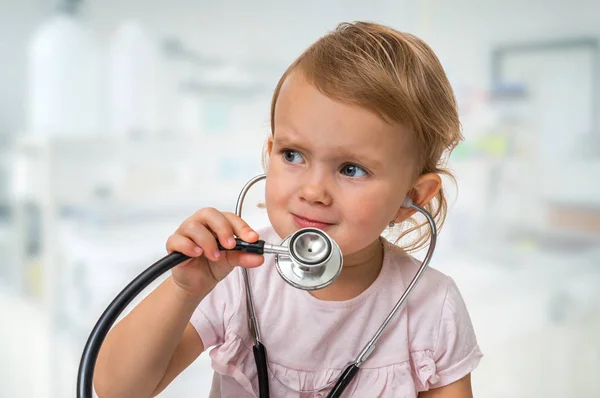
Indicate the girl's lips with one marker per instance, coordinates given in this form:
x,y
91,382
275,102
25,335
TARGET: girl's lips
x,y
305,223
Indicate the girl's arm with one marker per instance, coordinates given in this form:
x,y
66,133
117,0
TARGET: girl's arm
x,y
148,348
155,342
189,348
459,389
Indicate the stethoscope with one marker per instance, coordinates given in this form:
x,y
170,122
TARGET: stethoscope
x,y
308,259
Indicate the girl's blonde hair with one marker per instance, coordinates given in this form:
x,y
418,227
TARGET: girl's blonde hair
x,y
399,77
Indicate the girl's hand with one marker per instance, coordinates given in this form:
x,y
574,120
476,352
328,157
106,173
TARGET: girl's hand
x,y
197,237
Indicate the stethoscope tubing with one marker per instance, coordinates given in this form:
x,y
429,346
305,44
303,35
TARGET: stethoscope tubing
x,y
134,288
89,356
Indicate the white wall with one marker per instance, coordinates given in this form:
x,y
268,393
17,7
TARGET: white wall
x,y
266,31
462,31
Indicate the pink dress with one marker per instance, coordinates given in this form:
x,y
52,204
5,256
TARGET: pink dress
x,y
430,342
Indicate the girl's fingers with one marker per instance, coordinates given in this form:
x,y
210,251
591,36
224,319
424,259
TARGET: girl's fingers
x,y
183,245
202,237
241,259
199,235
241,228
218,224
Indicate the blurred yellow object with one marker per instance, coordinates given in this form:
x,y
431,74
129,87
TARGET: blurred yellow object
x,y
494,145
33,278
528,244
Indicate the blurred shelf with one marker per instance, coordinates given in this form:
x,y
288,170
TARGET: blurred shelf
x,y
110,193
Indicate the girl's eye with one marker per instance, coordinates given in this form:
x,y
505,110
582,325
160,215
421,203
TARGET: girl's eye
x,y
352,170
291,156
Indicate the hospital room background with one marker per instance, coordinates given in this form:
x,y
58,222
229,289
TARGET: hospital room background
x,y
118,119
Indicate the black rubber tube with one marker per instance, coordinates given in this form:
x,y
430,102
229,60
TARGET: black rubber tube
x,y
111,314
260,357
343,382
257,247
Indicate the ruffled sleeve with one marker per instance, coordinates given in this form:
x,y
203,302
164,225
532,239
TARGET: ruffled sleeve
x,y
456,352
212,317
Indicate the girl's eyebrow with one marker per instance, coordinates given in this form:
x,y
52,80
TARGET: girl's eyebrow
x,y
285,141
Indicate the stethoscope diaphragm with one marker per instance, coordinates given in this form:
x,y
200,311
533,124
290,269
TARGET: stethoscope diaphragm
x,y
314,260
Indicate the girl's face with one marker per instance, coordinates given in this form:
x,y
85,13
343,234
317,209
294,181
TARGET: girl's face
x,y
334,166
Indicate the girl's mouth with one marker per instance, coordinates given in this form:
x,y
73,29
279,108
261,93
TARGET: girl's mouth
x,y
308,223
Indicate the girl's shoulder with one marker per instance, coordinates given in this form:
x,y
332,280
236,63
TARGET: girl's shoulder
x,y
441,337
432,289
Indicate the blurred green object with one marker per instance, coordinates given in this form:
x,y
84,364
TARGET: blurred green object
x,y
489,146
462,151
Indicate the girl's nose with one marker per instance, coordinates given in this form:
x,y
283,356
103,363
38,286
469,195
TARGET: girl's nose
x,y
314,190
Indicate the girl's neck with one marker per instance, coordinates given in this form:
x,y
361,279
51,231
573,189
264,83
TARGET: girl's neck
x,y
359,271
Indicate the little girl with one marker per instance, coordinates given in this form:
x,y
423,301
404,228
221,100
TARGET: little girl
x,y
362,119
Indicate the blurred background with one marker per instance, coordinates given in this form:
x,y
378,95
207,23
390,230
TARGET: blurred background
x,y
118,119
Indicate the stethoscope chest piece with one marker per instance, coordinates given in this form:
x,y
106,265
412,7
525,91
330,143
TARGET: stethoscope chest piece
x,y
314,260
308,259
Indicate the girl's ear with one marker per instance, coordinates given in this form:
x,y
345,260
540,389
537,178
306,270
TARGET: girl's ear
x,y
425,188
